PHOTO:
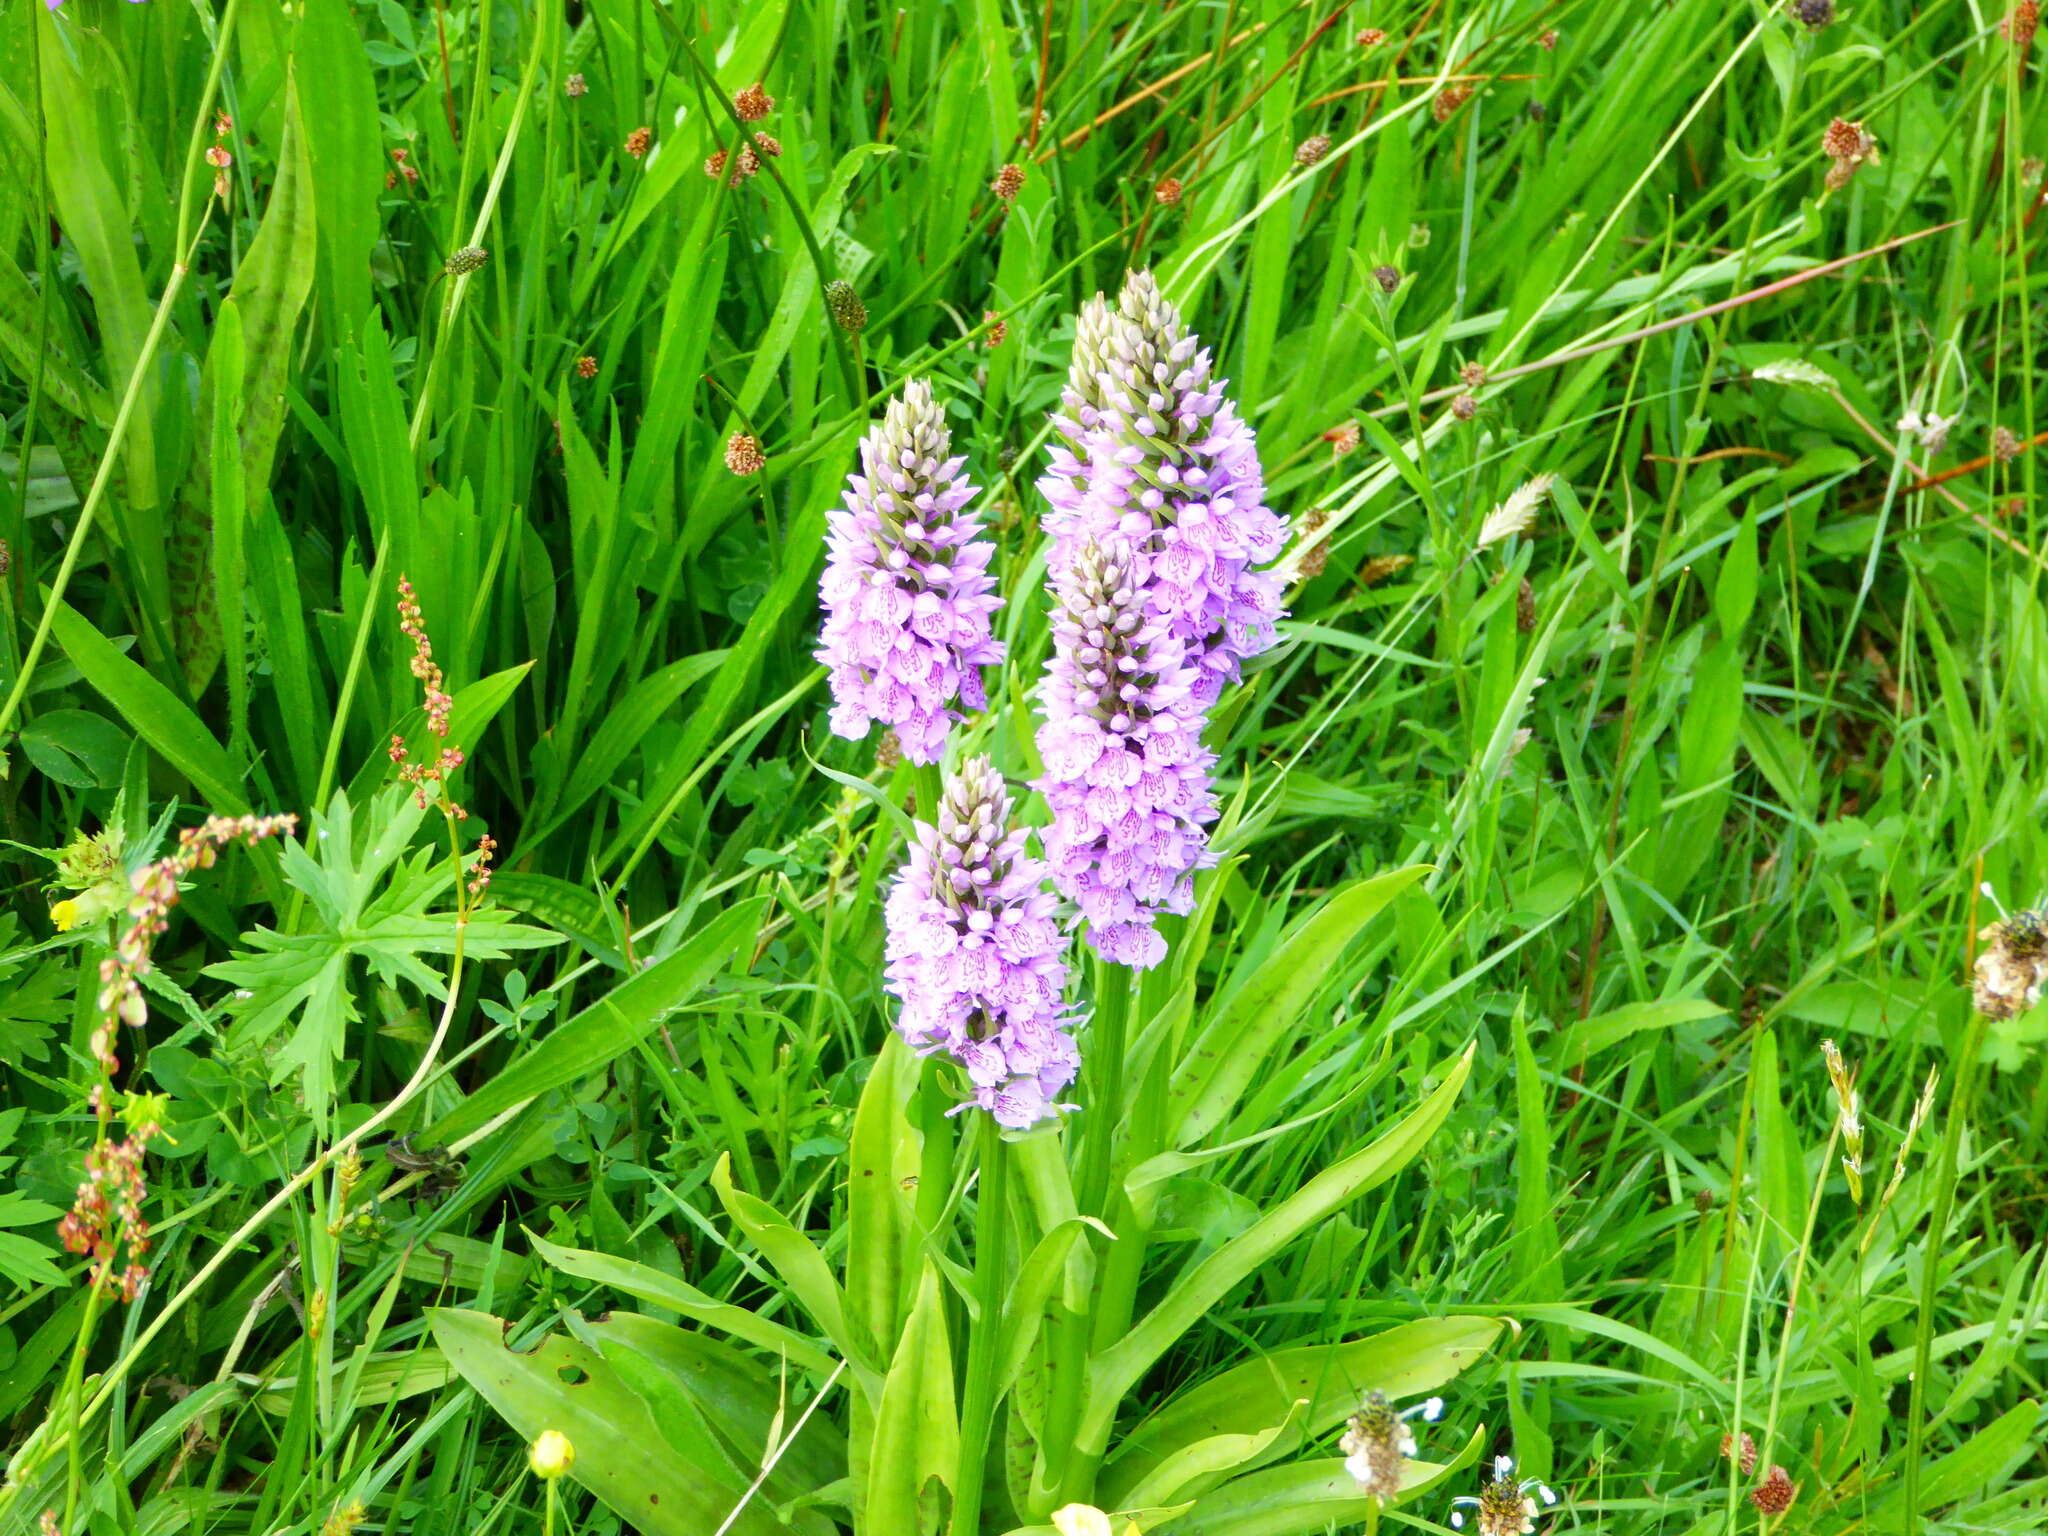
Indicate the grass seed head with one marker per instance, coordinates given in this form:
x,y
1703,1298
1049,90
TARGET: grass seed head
x,y
753,104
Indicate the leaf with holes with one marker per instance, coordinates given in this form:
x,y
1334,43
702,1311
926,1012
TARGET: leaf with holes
x,y
622,1455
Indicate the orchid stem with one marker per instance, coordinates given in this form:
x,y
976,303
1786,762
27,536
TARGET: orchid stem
x,y
978,1400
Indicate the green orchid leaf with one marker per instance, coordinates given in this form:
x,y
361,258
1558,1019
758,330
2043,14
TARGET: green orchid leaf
x,y
916,1424
1229,1053
796,1259
657,1289
1330,1379
1308,1498
622,1455
1118,1368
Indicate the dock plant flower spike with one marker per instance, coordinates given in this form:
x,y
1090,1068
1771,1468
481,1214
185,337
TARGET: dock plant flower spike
x,y
1504,1507
976,956
906,590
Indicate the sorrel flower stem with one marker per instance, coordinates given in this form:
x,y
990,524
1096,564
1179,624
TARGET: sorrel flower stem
x,y
991,1281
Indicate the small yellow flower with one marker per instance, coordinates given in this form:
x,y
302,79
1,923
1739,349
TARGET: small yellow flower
x,y
65,915
552,1455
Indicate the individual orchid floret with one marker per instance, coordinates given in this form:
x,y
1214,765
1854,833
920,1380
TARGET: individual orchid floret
x,y
975,952
906,590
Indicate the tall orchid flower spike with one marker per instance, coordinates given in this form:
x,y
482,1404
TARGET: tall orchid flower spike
x,y
1148,447
906,590
976,956
1126,773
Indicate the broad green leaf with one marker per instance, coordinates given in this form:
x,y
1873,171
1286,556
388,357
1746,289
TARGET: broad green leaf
x,y
82,96
1232,1050
1306,1498
152,711
622,1455
1406,1361
1574,1044
753,1405
657,1289
1118,1368
917,1426
796,1259
269,291
883,1155
607,1029
343,141
1735,588
1195,1469
1031,1292
1983,1462
76,747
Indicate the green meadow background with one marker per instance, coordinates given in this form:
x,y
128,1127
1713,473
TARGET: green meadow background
x,y
1733,750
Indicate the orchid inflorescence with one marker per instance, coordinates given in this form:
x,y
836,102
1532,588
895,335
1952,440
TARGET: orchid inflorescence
x,y
1158,524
